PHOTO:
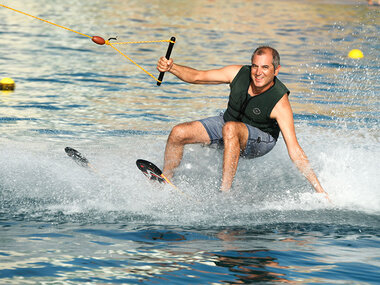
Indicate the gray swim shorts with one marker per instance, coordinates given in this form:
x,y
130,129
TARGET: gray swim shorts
x,y
258,144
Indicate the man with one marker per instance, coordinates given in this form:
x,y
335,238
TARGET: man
x,y
258,109
370,2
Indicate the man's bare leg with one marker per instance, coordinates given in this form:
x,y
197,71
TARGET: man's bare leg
x,y
182,134
235,137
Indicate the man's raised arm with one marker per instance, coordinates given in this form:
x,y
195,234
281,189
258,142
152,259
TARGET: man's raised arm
x,y
194,76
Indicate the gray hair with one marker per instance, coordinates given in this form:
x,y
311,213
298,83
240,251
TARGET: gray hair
x,y
276,56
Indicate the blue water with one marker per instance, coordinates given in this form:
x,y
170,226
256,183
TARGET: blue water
x,y
63,224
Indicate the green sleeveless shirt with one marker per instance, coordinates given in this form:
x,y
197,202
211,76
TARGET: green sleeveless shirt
x,y
254,111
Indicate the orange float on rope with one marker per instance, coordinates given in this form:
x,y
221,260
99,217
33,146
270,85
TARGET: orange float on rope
x,y
98,40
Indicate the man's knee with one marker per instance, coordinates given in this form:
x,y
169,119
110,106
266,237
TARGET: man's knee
x,y
235,132
177,133
181,133
230,130
189,133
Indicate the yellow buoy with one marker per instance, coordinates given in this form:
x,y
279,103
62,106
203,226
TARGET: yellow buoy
x,y
7,84
355,53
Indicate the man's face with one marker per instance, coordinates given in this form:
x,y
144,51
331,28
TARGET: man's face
x,y
263,71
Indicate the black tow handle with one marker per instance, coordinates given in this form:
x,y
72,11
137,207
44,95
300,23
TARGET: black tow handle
x,y
168,53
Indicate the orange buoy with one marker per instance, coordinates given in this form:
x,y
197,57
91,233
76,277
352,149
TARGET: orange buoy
x,y
98,40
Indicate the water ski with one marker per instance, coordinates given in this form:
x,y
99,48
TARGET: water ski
x,y
80,159
151,171
155,174
147,168
77,156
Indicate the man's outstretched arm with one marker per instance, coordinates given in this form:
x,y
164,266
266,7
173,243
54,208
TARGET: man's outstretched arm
x,y
194,76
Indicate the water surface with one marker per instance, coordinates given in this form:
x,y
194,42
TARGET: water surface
x,y
63,224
